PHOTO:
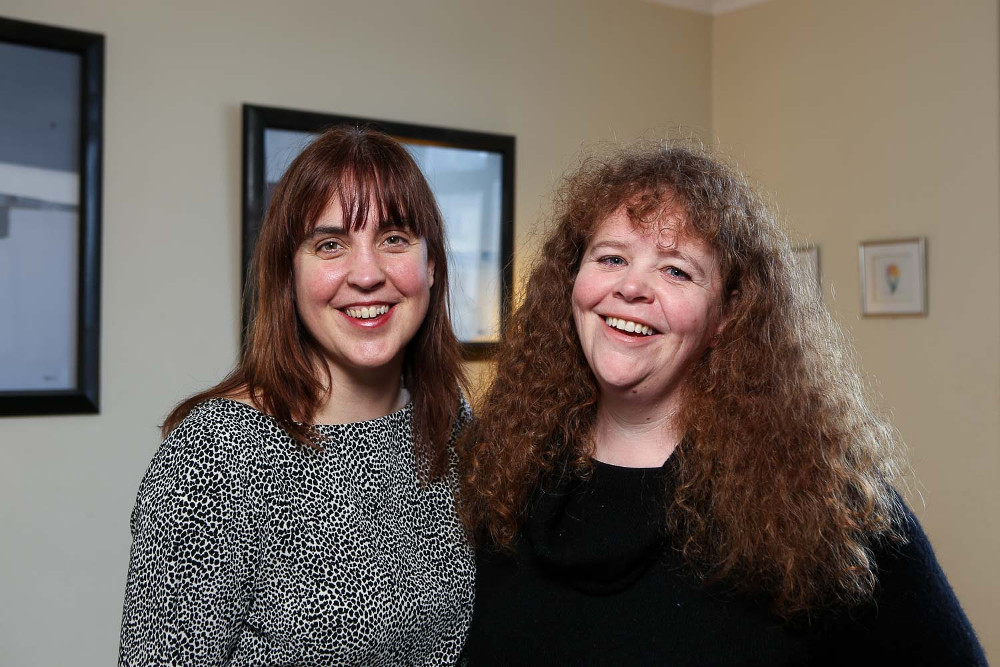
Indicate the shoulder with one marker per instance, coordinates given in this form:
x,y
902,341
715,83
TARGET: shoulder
x,y
915,611
464,412
215,431
225,426
220,415
463,418
215,446
910,554
909,574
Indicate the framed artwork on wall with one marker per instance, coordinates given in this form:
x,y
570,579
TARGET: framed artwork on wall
x,y
470,173
893,277
51,116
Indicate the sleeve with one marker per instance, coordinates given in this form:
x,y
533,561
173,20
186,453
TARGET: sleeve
x,y
190,572
916,618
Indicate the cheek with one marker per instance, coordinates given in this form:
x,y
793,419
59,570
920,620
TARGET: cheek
x,y
410,276
299,282
586,291
309,287
684,319
695,319
586,295
315,283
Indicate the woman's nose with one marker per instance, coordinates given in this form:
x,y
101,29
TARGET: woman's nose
x,y
366,270
633,286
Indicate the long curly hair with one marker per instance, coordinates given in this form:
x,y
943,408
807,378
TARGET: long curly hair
x,y
376,180
785,474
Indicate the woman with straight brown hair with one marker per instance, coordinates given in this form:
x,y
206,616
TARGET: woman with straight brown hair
x,y
676,463
301,511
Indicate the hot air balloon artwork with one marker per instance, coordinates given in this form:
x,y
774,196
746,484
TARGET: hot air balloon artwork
x,y
893,277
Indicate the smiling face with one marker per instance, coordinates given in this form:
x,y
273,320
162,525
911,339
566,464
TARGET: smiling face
x,y
362,294
646,302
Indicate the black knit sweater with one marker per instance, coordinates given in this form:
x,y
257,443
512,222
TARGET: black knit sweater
x,y
594,581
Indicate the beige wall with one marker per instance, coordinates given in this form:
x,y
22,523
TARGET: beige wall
x,y
553,73
879,119
866,119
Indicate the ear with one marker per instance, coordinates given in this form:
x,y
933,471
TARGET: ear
x,y
430,273
724,318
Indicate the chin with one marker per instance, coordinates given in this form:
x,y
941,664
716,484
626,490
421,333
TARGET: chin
x,y
373,364
377,360
618,380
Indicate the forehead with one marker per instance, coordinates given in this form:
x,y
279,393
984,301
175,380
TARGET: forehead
x,y
346,210
668,231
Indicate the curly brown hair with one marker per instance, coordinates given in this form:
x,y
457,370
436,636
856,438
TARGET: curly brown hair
x,y
785,474
374,178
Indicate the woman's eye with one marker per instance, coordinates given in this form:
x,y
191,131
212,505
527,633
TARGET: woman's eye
x,y
329,246
396,241
674,272
611,260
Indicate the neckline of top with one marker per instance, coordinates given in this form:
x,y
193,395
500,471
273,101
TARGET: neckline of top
x,y
603,465
396,416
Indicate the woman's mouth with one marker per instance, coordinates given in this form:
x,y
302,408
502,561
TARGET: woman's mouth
x,y
366,312
628,326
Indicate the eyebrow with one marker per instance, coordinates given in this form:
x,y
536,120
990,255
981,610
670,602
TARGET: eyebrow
x,y
325,230
610,244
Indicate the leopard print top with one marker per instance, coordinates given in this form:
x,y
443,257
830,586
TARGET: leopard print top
x,y
250,549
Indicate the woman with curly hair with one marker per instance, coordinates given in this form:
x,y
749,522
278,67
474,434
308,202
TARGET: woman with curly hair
x,y
675,462
301,511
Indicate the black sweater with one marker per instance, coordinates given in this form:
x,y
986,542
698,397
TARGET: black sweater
x,y
594,581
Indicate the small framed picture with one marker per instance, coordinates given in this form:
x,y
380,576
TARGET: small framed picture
x,y
893,277
807,259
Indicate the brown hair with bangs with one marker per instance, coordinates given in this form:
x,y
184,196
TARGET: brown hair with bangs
x,y
785,474
377,182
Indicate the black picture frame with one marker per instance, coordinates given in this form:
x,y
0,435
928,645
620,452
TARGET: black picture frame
x,y
84,394
257,120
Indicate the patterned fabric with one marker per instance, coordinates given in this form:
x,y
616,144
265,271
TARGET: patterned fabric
x,y
250,549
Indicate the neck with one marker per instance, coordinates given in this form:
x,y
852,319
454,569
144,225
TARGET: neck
x,y
354,397
632,434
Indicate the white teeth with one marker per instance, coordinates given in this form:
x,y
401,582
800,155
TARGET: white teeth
x,y
367,312
629,326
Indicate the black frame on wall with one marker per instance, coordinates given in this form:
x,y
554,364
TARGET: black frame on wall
x,y
84,397
258,119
